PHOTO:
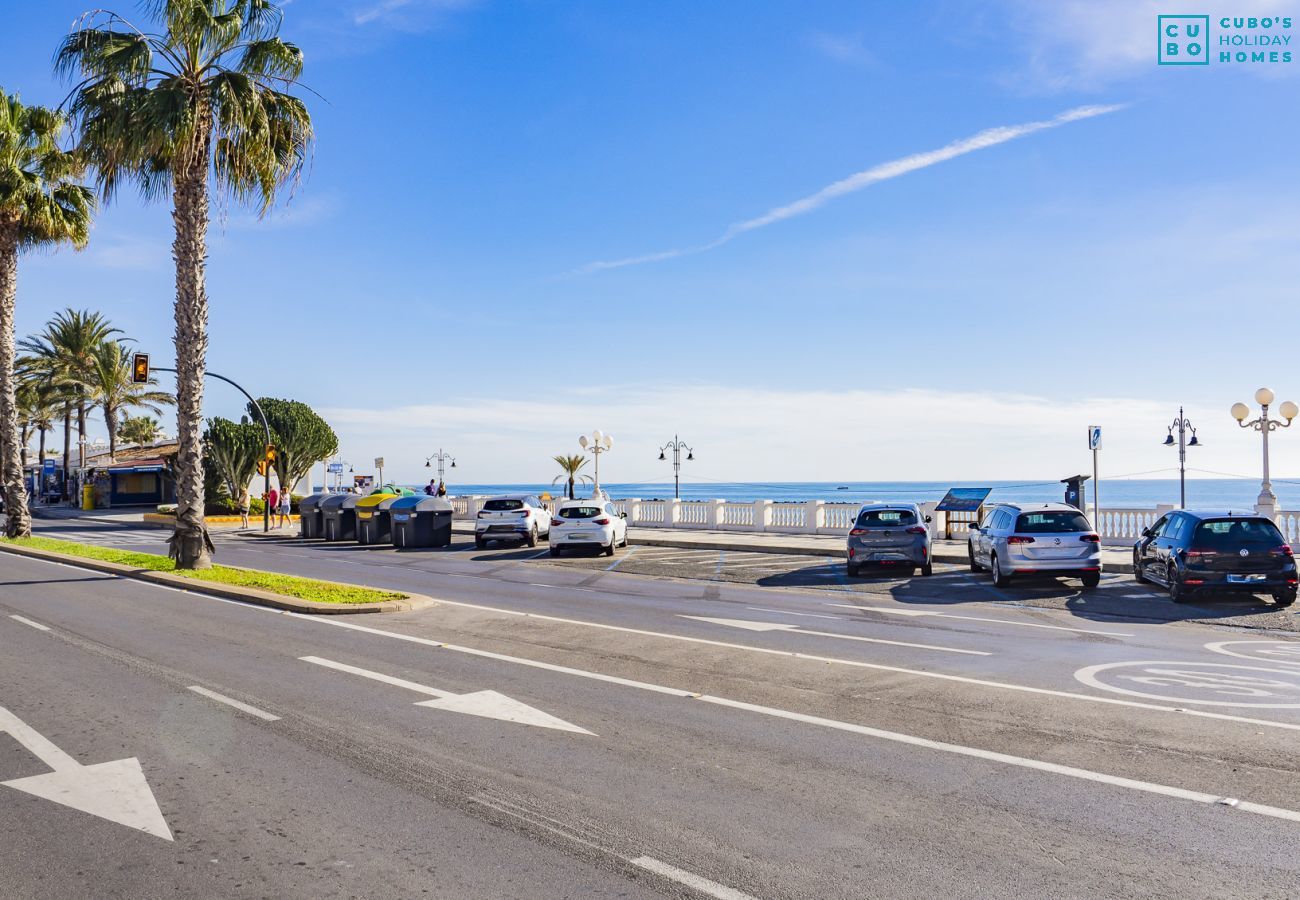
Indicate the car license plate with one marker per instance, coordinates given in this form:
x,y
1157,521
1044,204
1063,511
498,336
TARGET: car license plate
x,y
579,536
886,557
1244,579
401,517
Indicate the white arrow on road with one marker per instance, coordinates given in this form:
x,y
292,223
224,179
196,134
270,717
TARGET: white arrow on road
x,y
116,791
750,625
488,704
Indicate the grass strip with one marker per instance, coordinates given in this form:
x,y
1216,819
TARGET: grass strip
x,y
285,585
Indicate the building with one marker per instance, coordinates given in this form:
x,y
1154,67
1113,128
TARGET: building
x,y
135,476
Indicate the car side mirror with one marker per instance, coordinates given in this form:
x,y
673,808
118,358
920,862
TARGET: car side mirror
x,y
622,515
1146,532
928,520
975,528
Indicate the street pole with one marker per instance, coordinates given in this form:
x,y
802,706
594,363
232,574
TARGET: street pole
x,y
677,445
1266,503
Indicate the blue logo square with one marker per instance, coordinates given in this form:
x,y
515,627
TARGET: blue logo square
x,y
1183,40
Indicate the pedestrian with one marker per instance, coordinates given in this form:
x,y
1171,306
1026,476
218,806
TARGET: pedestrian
x,y
286,505
442,489
431,488
245,504
272,498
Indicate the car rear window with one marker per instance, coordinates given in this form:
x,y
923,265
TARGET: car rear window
x,y
580,512
1052,522
1230,533
503,505
882,517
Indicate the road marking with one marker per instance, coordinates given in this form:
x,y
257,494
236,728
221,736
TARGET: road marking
x,y
694,554
1196,676
611,679
1277,652
691,880
538,555
37,625
919,613
487,704
116,791
237,704
751,625
627,554
773,560
786,612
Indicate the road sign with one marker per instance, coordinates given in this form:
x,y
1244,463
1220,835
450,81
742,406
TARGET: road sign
x,y
336,468
1094,437
48,467
116,791
140,368
379,462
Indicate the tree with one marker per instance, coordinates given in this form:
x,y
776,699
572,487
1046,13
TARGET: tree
x,y
234,450
112,385
570,466
301,438
205,97
139,430
41,205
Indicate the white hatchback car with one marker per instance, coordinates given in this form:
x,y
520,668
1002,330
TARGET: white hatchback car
x,y
588,523
511,517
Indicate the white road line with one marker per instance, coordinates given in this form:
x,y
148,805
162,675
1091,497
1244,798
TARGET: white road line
x,y
786,628
378,676
694,554
37,625
786,612
537,555
691,880
921,673
773,560
918,613
627,554
231,701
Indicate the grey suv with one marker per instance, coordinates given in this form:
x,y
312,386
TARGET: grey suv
x,y
1035,539
890,534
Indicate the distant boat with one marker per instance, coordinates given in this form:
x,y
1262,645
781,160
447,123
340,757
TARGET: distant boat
x,y
842,488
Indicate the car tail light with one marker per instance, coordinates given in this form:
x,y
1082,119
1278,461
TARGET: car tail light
x,y
1019,539
857,531
916,529
850,553
483,514
601,521
1090,538
555,522
1193,581
1200,556
525,513
1284,550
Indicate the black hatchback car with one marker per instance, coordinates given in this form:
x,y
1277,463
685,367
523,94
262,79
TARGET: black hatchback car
x,y
1194,551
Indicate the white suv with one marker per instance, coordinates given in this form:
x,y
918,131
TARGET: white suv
x,y
512,517
588,523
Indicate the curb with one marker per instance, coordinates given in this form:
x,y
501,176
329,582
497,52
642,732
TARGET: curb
x,y
228,591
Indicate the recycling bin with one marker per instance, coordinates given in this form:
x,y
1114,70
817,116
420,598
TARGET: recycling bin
x,y
339,517
420,522
373,522
309,516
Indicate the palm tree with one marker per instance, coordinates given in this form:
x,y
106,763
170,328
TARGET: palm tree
x,y
570,466
38,407
41,204
113,387
64,355
203,97
139,430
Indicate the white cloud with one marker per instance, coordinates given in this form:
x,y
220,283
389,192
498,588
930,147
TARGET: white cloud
x,y
990,137
408,13
752,434
844,48
128,252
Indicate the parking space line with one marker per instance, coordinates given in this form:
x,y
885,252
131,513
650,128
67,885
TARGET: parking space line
x,y
26,621
627,554
237,704
690,879
918,613
778,561
694,554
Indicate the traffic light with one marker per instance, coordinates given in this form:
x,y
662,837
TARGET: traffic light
x,y
261,467
266,460
140,368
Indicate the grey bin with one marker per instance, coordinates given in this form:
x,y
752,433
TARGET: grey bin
x,y
310,520
374,525
421,522
339,514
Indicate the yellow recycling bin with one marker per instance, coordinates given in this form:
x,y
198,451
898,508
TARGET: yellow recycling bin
x,y
87,496
373,523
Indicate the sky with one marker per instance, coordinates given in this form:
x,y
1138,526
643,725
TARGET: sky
x,y
821,241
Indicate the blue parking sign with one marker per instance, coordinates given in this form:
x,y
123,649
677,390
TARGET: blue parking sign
x,y
1094,437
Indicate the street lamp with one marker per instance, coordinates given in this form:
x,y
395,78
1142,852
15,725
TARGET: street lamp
x,y
677,445
1266,503
598,443
442,458
1183,426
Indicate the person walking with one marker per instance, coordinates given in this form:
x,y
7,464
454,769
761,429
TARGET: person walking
x,y
442,489
431,488
272,498
286,505
245,504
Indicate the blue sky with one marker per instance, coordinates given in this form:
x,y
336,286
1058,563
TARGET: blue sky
x,y
964,320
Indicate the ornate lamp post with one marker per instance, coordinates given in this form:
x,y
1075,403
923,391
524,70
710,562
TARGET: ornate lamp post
x,y
598,443
442,457
1266,503
677,445
1183,425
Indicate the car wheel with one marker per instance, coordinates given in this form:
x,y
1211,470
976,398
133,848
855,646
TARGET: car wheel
x,y
613,542
970,555
1177,592
532,537
853,570
1000,579
1091,579
1284,598
927,570
555,551
1138,575
480,543
625,537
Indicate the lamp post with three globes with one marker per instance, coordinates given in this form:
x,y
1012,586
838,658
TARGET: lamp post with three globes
x,y
1266,503
598,443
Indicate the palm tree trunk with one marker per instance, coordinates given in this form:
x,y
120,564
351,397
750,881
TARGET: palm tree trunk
x,y
190,545
110,422
570,487
67,448
40,463
18,521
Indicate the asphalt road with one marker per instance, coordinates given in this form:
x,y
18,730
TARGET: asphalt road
x,y
694,727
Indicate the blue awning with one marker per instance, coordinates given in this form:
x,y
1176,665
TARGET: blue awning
x,y
135,470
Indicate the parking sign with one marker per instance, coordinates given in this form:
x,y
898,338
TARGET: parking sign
x,y
1094,437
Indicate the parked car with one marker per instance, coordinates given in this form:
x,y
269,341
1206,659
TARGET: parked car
x,y
1194,551
588,523
890,534
1035,539
512,517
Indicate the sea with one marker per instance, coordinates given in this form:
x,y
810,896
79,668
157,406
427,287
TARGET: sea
x,y
1213,493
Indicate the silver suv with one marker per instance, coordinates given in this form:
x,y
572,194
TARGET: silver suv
x,y
890,534
512,517
1035,539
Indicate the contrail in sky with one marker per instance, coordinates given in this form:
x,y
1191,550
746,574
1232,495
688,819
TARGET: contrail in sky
x,y
990,137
